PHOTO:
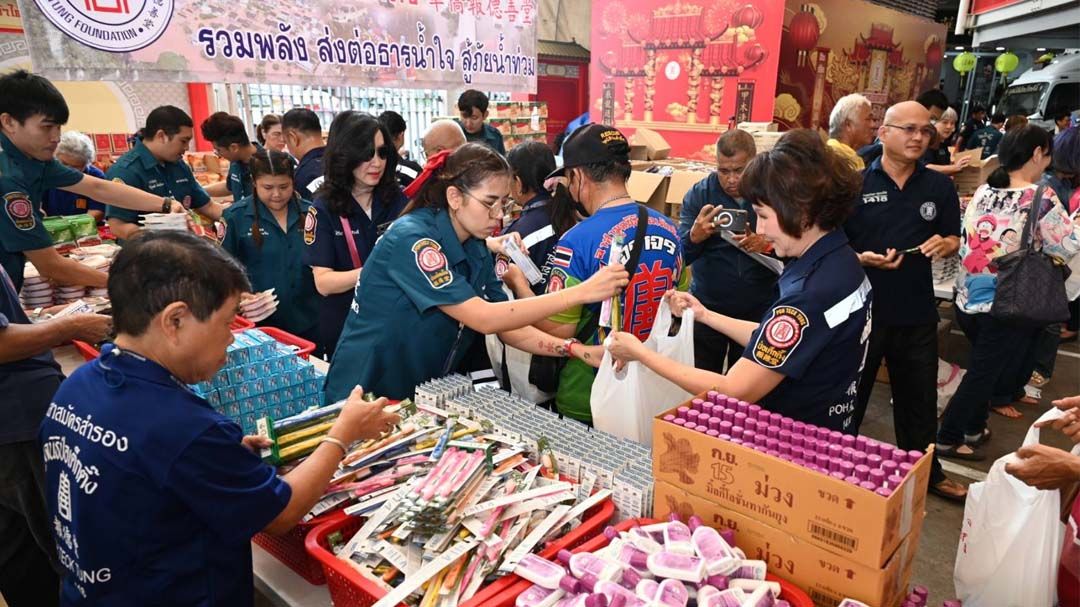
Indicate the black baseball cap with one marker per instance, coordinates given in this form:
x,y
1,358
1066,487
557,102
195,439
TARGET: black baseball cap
x,y
592,143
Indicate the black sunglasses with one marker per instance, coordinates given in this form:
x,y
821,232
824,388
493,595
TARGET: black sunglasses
x,y
384,152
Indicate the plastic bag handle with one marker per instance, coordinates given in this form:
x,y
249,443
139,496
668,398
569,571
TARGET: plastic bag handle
x,y
1033,433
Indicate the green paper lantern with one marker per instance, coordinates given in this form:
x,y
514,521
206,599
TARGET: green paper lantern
x,y
964,62
1006,62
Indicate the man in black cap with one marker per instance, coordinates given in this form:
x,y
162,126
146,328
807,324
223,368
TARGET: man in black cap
x,y
596,167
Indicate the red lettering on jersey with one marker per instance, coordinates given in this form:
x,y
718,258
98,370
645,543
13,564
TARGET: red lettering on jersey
x,y
643,297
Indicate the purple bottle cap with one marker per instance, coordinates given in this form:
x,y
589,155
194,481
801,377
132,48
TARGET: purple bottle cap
x,y
868,486
877,475
914,456
729,536
837,475
890,467
611,532
682,411
835,437
697,404
773,431
737,431
772,443
689,425
784,447
694,522
599,600
859,457
906,468
693,415
728,415
853,480
798,440
714,423
702,428
847,452
742,407
564,555
712,433
894,481
724,436
720,582
740,418
787,457
883,491
787,423
669,417
899,456
798,461
862,471
631,577
797,452
736,441
678,421
748,436
784,435
798,427
713,396
762,415
772,453
872,447
834,464
760,448
570,584
759,440
848,467
874,461
823,434
860,443
821,460
810,444
776,419
752,409
847,440
835,450
725,427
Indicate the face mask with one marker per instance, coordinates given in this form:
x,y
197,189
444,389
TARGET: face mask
x,y
576,204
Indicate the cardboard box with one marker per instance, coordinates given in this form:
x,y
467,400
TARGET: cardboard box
x,y
648,188
825,576
656,146
825,512
680,183
975,174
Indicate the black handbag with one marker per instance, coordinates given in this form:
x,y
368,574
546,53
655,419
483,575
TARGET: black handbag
x,y
1030,284
544,371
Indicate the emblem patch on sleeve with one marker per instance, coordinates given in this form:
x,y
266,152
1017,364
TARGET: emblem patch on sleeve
x,y
310,221
431,261
779,336
557,281
502,264
19,210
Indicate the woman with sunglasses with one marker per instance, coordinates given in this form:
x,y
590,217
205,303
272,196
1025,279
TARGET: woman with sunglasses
x,y
265,233
429,286
358,199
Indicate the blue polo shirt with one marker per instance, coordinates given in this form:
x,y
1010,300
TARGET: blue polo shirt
x,y
152,498
140,169
23,183
723,277
396,336
534,225
239,178
986,138
277,263
61,202
26,378
308,174
816,335
887,217
489,136
324,234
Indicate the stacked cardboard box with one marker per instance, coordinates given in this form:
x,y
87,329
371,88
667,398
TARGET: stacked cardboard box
x,y
657,180
975,173
829,537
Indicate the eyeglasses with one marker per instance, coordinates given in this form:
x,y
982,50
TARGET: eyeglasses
x,y
911,130
384,152
496,208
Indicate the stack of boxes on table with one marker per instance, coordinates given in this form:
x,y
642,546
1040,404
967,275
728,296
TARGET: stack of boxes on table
x,y
796,496
517,121
262,377
595,459
38,292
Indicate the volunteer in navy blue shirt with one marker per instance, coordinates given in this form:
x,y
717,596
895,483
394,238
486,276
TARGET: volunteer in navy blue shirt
x,y
153,496
429,286
75,151
229,137
543,220
357,201
803,359
724,277
907,215
29,376
265,233
407,169
304,139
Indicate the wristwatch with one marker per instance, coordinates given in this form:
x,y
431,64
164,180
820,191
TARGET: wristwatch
x,y
166,204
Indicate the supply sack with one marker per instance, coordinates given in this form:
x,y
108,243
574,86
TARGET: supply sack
x,y
624,403
1010,540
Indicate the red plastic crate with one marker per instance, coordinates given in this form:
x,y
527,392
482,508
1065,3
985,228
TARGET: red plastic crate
x,y
788,591
348,588
304,348
289,546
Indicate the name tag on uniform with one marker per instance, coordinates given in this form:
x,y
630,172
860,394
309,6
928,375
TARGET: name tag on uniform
x,y
875,197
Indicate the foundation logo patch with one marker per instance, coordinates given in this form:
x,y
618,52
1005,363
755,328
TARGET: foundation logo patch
x,y
115,26
310,221
432,262
19,210
780,335
928,210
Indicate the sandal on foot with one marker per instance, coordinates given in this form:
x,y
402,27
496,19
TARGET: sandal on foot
x,y
950,490
1007,411
981,440
954,452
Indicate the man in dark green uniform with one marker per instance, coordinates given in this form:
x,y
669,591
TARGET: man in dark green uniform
x,y
229,137
32,112
156,165
473,108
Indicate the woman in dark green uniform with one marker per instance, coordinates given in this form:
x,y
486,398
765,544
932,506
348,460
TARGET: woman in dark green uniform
x,y
265,232
429,286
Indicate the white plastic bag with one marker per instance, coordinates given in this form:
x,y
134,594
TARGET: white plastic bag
x,y
625,403
518,363
1010,539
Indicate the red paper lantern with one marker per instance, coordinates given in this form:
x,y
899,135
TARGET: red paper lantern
x,y
753,55
610,62
804,30
933,57
749,16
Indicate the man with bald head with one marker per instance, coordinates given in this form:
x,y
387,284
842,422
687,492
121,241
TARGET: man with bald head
x,y
442,135
907,216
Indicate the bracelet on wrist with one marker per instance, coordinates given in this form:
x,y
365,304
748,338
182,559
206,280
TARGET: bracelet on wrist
x,y
333,441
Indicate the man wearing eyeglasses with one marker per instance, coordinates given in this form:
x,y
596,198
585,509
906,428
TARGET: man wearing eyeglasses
x,y
229,137
907,216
